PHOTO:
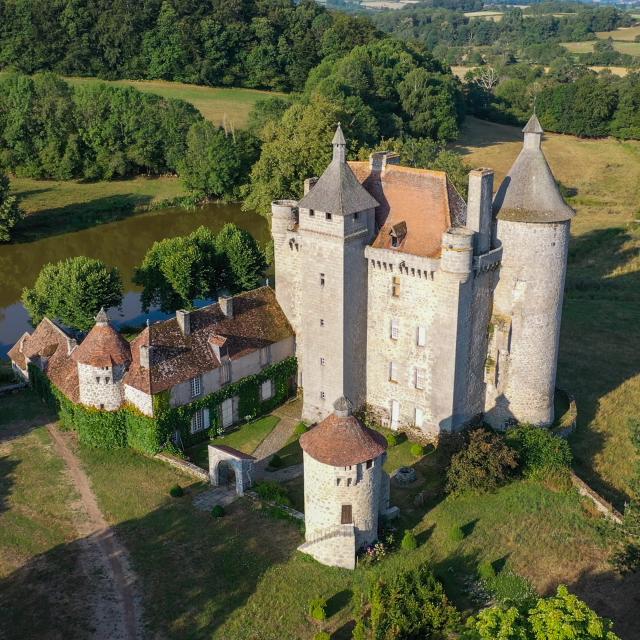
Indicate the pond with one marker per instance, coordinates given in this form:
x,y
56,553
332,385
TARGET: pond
x,y
122,244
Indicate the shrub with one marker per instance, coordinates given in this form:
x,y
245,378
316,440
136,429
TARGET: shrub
x,y
276,461
272,492
456,534
483,465
512,590
417,450
409,542
486,571
176,491
318,609
392,439
539,450
322,635
300,429
217,511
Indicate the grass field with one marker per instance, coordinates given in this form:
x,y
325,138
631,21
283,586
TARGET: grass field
x,y
632,48
628,34
598,360
496,16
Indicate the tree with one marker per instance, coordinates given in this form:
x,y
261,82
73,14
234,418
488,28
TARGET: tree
x,y
244,261
215,163
539,450
484,464
10,212
73,291
177,271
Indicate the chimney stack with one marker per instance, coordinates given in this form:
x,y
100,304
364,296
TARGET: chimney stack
x,y
479,208
379,160
184,321
226,306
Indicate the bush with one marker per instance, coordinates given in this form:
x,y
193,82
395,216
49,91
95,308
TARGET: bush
x,y
300,429
318,609
485,464
322,635
217,511
409,542
486,571
456,534
272,492
512,590
417,450
176,491
539,450
276,461
392,439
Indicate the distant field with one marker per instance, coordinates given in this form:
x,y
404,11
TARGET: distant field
x,y
602,308
388,4
632,48
578,47
488,15
624,33
219,104
460,71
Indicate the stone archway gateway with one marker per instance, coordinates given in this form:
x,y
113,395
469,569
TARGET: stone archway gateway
x,y
227,463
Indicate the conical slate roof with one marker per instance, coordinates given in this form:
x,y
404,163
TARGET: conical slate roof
x,y
341,440
103,346
530,193
338,191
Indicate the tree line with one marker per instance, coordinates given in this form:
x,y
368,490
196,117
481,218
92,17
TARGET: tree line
x,y
174,273
270,44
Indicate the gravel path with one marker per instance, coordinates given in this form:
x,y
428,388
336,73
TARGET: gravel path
x,y
115,602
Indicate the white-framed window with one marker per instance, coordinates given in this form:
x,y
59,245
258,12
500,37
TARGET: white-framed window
x,y
226,413
420,378
419,417
225,372
421,336
196,386
198,422
266,390
393,372
265,355
395,328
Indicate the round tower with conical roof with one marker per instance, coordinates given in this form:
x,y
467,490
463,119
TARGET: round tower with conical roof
x,y
345,487
532,224
102,360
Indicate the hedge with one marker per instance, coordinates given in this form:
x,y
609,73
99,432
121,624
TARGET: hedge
x,y
130,427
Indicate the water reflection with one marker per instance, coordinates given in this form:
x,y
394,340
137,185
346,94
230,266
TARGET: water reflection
x,y
121,244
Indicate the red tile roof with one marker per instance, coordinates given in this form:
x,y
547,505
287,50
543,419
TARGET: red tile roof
x,y
341,441
258,321
232,452
103,347
422,199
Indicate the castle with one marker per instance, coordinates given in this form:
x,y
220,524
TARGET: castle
x,y
432,311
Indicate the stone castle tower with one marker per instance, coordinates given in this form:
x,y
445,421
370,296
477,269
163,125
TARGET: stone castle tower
x,y
327,299
532,224
345,487
102,360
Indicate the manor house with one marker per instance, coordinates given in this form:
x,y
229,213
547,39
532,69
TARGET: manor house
x,y
431,310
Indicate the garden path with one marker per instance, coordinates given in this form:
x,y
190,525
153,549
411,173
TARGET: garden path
x,y
289,415
115,600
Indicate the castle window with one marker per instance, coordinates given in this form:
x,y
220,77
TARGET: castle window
x,y
421,338
369,464
395,329
322,362
355,215
106,380
97,380
322,322
196,386
395,287
197,421
328,216
419,417
349,480
393,372
312,213
225,372
266,390
101,406
337,482
346,516
322,395
322,279
420,378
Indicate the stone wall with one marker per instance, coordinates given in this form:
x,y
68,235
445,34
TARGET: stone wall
x,y
101,387
139,399
327,488
526,322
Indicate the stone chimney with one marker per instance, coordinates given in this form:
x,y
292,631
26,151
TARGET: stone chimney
x,y
145,355
379,160
226,306
184,321
309,183
479,208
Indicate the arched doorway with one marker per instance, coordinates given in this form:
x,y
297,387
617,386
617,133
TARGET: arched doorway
x,y
226,474
230,468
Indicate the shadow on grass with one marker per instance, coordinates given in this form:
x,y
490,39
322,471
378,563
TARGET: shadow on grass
x,y
7,467
79,216
338,601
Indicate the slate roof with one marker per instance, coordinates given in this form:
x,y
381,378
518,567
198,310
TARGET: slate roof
x,y
341,441
103,346
529,193
258,321
236,453
338,191
424,201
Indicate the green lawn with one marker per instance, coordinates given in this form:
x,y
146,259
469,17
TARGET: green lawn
x,y
39,566
246,439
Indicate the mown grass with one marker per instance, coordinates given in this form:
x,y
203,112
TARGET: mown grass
x,y
599,359
623,46
628,34
246,439
41,584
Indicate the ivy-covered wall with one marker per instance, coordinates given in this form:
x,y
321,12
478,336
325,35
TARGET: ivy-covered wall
x,y
129,427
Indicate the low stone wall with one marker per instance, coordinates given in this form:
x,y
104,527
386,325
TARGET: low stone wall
x,y
570,420
601,504
288,510
186,467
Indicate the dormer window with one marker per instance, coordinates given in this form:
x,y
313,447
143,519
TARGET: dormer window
x,y
398,233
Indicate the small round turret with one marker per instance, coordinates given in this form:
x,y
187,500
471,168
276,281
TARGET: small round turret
x,y
457,250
